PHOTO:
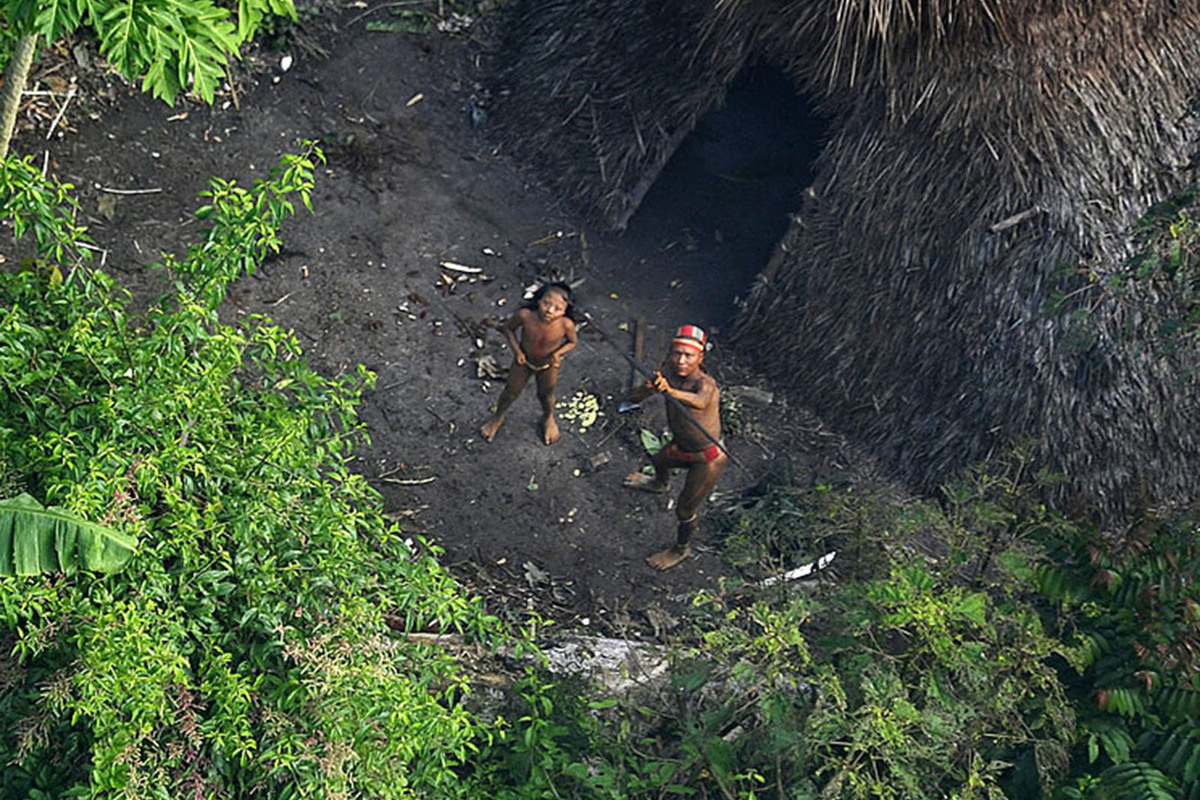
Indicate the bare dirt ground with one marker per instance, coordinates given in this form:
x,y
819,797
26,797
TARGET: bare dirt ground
x,y
410,184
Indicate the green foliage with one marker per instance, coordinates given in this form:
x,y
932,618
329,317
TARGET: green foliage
x,y
35,540
931,675
733,422
975,647
921,689
652,443
422,20
980,646
919,667
560,744
529,761
555,739
1169,235
1169,249
45,210
252,13
172,45
954,684
1162,272
244,227
777,526
1127,781
244,648
280,32
1131,613
404,20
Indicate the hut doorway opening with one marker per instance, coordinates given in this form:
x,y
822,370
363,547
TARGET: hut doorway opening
x,y
723,200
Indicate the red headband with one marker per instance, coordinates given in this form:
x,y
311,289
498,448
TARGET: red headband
x,y
690,336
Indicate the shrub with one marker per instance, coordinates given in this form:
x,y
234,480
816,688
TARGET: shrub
x,y
244,650
917,667
1130,608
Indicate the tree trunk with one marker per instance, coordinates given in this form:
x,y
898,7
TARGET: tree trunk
x,y
15,75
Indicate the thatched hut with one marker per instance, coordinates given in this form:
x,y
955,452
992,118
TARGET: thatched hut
x,y
982,155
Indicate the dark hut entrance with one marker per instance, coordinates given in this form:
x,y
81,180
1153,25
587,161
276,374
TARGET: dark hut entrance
x,y
723,200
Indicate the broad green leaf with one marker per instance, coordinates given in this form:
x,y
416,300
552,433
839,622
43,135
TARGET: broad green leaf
x,y
973,607
57,17
251,13
35,540
653,443
720,756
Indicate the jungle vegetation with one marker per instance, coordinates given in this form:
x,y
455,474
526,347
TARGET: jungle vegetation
x,y
169,45
975,644
250,638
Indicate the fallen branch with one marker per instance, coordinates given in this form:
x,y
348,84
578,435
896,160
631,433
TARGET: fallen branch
x,y
411,481
550,237
61,111
445,639
611,434
155,190
455,267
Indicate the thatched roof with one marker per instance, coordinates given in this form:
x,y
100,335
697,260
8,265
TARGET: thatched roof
x,y
977,148
603,92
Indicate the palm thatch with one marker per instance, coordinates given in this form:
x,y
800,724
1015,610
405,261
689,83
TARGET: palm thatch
x,y
596,96
981,150
960,182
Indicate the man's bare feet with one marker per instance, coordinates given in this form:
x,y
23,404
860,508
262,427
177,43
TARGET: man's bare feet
x,y
490,428
668,558
552,433
645,483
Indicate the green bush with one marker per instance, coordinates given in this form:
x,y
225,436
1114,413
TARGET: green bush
x,y
1130,609
244,650
919,667
979,646
1158,283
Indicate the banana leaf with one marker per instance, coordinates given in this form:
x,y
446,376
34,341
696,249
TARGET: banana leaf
x,y
35,540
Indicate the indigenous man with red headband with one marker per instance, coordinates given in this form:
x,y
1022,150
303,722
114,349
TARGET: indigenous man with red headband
x,y
683,377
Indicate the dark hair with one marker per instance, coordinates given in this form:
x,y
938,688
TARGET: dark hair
x,y
557,286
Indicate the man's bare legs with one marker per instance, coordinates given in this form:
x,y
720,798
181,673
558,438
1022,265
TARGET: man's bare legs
x,y
659,483
518,375
665,559
701,479
547,379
